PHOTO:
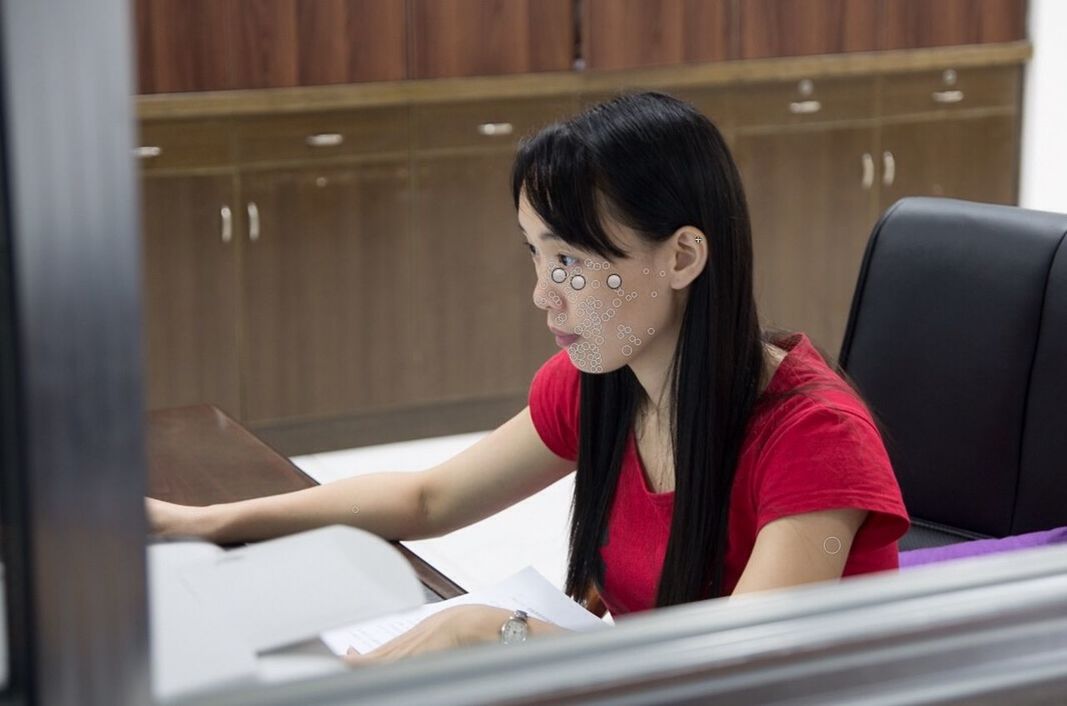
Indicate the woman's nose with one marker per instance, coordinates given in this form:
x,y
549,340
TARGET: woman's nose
x,y
545,296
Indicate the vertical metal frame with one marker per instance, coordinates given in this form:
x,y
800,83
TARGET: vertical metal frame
x,y
73,473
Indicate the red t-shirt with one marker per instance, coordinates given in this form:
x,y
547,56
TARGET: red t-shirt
x,y
817,450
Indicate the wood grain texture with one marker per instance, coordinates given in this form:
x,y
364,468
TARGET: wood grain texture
x,y
628,34
190,293
348,41
909,24
971,158
478,332
326,292
188,42
198,455
800,27
421,92
452,38
810,219
264,46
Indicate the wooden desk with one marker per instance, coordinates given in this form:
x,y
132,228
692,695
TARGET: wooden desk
x,y
200,456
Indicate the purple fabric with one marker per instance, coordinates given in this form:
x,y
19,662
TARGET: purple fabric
x,y
977,547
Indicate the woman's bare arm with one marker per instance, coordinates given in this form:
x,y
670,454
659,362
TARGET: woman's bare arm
x,y
506,466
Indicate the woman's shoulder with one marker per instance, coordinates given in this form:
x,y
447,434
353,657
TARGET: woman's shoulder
x,y
805,386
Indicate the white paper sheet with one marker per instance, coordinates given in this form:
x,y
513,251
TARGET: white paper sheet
x,y
526,590
290,589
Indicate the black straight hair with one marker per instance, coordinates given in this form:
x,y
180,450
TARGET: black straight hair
x,y
654,164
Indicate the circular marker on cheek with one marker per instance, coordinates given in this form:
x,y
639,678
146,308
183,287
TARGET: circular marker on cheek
x,y
614,281
559,275
578,282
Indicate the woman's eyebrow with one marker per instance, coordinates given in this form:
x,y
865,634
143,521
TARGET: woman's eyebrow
x,y
545,235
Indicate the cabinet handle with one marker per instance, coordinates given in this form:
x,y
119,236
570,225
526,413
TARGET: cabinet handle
x,y
493,129
253,221
805,107
868,170
227,224
945,97
889,168
325,139
147,151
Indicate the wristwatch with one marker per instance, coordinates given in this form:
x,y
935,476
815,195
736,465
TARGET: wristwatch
x,y
515,628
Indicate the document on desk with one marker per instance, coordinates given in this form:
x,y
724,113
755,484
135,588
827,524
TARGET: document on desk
x,y
526,590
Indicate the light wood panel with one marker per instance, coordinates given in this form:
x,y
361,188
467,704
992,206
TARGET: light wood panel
x,y
326,291
190,293
811,215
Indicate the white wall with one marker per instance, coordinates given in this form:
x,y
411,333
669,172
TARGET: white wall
x,y
1043,177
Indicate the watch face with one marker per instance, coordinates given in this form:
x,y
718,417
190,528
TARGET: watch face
x,y
514,631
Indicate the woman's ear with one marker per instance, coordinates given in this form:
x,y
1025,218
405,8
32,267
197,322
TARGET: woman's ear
x,y
690,252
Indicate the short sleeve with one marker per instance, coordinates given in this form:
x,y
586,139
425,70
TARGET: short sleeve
x,y
554,405
823,458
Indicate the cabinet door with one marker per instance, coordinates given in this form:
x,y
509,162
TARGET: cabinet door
x,y
485,37
190,292
911,24
799,27
326,291
183,45
478,332
971,158
812,200
630,34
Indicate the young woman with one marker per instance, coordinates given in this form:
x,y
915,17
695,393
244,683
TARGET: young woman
x,y
712,459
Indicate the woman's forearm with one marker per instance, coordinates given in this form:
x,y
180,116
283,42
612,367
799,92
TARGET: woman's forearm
x,y
389,505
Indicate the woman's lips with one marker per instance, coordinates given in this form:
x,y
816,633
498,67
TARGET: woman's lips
x,y
564,339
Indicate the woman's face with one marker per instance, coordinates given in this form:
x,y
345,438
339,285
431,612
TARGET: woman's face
x,y
604,313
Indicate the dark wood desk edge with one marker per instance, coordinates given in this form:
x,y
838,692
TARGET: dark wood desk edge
x,y
426,573
430,577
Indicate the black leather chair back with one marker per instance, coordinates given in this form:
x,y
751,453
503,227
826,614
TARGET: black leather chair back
x,y
957,338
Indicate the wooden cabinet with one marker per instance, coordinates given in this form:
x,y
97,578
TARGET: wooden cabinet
x,y
326,291
912,24
796,27
485,37
209,45
190,297
629,34
812,202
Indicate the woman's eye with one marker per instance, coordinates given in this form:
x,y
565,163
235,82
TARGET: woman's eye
x,y
533,250
563,260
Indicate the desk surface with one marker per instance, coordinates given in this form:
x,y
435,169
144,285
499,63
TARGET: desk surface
x,y
200,456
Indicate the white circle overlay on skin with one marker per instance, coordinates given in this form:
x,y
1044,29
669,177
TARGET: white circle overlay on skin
x,y
613,322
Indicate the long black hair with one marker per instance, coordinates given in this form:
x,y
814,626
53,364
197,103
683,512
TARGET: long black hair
x,y
654,163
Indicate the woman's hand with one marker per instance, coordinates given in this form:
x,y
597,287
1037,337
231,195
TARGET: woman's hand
x,y
172,520
453,627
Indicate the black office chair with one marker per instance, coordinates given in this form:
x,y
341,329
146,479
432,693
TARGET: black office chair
x,y
957,338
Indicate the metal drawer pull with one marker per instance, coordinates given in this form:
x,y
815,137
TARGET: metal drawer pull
x,y
493,129
147,151
805,107
868,170
227,224
325,139
947,96
889,168
253,221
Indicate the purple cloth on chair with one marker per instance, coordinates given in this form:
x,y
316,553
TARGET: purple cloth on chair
x,y
977,547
